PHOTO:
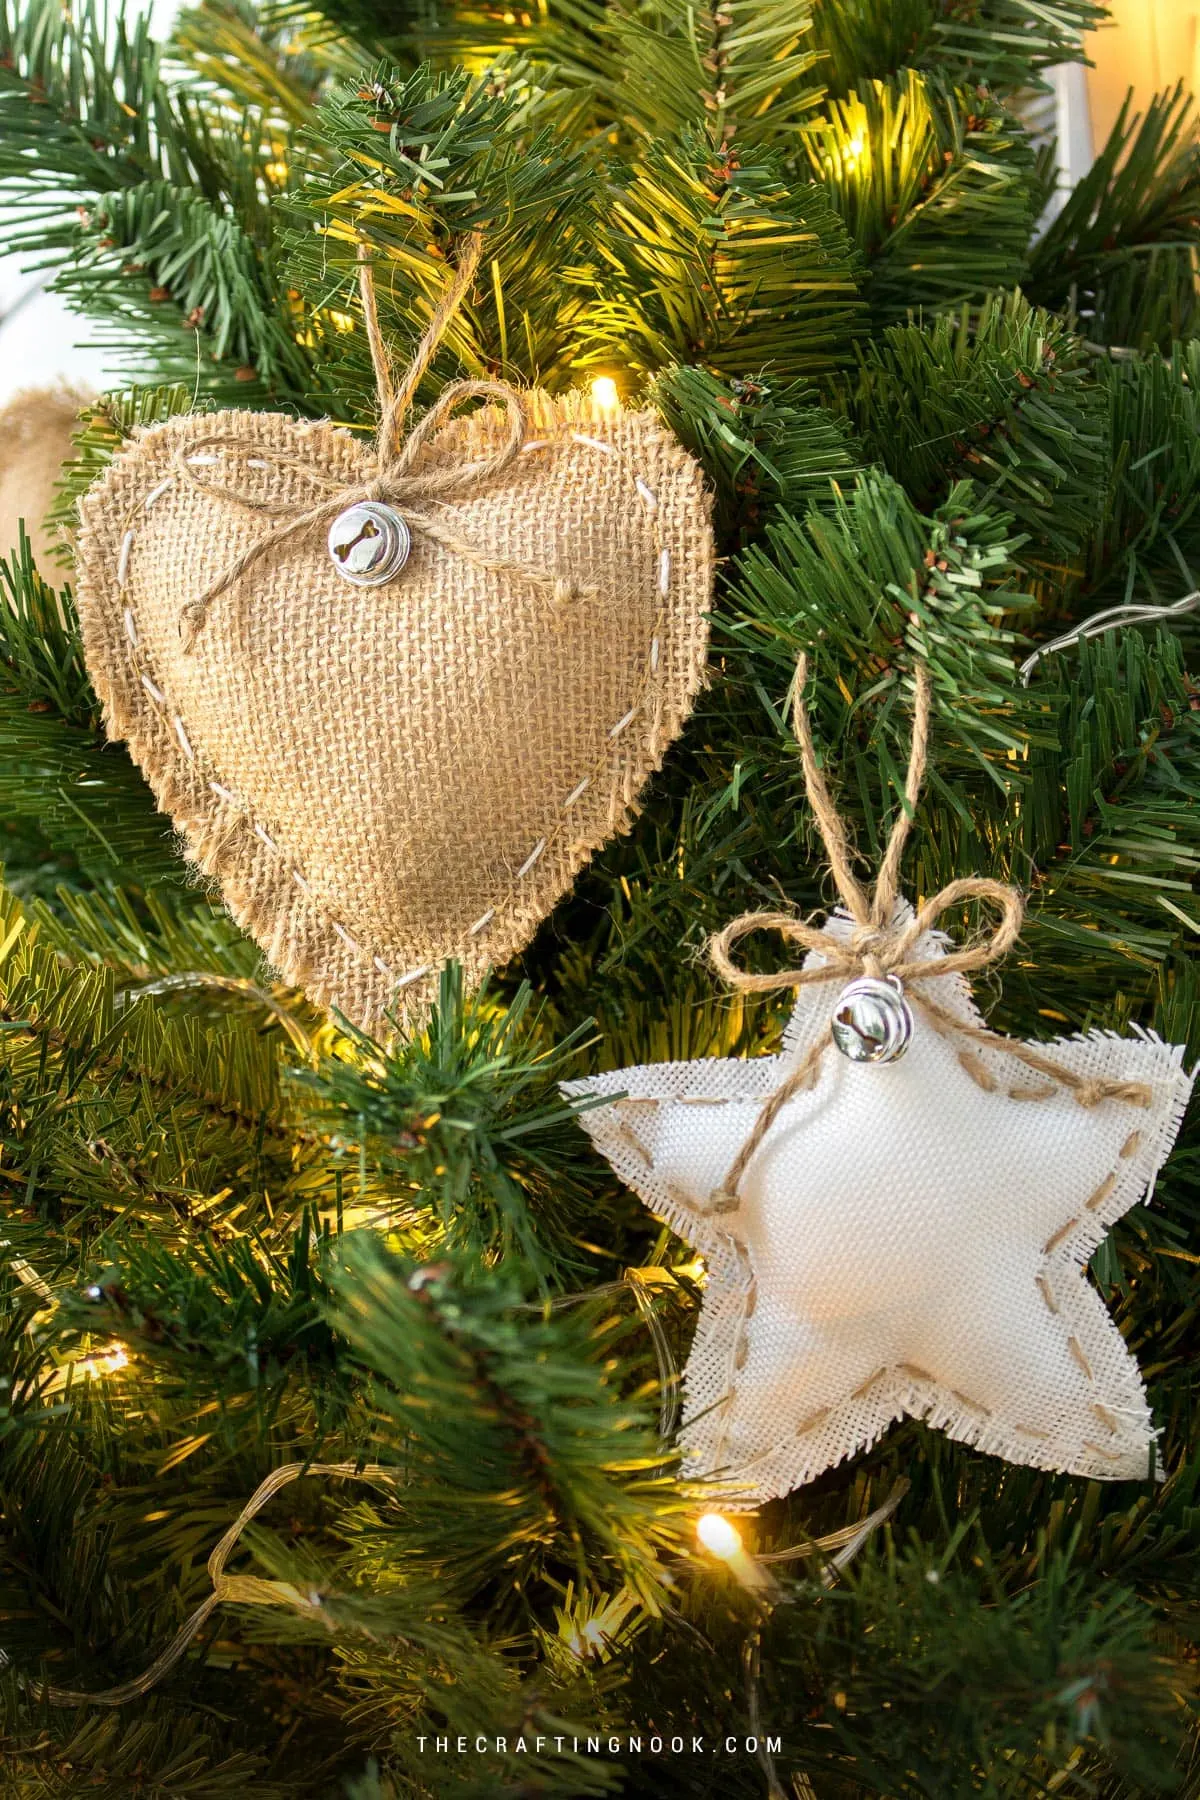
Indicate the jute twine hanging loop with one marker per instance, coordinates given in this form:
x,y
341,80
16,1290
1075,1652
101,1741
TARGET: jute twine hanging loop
x,y
883,941
397,480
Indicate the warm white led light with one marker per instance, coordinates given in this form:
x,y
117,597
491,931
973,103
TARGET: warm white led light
x,y
719,1536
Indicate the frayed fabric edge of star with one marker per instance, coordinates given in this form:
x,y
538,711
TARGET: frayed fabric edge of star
x,y
1138,1076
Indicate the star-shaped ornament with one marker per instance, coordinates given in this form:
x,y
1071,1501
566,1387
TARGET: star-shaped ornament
x,y
909,1237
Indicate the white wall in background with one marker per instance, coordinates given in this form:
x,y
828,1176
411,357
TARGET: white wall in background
x,y
41,341
1073,124
1148,46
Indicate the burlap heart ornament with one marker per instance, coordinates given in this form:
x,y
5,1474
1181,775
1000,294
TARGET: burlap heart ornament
x,y
382,778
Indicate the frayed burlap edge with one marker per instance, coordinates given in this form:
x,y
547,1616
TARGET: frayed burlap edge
x,y
305,942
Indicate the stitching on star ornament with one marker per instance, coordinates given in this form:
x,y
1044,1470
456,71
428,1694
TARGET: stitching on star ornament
x,y
906,1238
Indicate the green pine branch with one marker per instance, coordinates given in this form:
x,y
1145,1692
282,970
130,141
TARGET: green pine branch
x,y
154,207
466,1124
407,167
1005,45
716,260
1005,398
764,443
936,186
73,803
1121,253
745,72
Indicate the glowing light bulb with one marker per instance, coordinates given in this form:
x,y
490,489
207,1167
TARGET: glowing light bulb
x,y
853,151
89,1368
604,392
719,1536
582,1644
724,1541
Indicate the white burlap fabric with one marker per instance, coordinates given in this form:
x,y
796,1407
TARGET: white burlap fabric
x,y
381,778
908,1238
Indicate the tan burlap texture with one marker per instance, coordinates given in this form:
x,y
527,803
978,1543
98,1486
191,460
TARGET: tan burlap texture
x,y
35,441
382,778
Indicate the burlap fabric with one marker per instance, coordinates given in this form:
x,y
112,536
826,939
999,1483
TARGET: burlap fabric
x,y
35,441
909,1238
381,778
905,1234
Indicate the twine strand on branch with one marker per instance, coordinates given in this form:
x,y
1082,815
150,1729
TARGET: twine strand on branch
x,y
254,1590
879,945
250,1590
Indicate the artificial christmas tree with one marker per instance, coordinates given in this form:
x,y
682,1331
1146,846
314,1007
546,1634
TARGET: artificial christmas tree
x,y
365,1319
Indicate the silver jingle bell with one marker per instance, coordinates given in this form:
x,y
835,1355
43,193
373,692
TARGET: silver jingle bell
x,y
369,543
872,1021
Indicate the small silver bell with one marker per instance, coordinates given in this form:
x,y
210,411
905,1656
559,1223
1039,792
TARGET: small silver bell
x,y
872,1021
369,543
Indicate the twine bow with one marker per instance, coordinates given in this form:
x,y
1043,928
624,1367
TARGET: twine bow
x,y
882,943
399,478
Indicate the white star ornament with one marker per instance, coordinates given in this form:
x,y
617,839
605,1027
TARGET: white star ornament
x,y
909,1238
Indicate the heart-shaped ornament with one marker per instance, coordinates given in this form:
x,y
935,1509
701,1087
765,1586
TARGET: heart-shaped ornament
x,y
384,777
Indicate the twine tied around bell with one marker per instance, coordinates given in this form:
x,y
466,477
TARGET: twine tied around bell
x,y
881,946
415,486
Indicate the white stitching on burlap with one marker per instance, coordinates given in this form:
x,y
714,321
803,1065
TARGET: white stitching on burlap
x,y
739,1345
156,493
403,981
533,857
915,1373
620,789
